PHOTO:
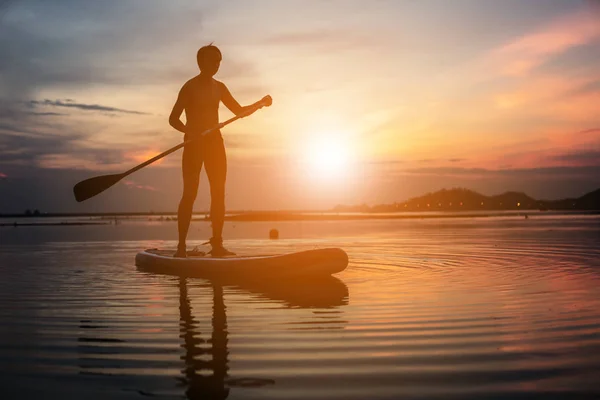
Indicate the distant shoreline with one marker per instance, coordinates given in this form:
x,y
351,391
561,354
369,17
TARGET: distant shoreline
x,y
255,217
20,224
431,205
237,215
274,216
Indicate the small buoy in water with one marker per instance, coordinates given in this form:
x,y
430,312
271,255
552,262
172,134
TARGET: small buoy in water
x,y
273,234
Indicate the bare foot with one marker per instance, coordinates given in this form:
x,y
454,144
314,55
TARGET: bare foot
x,y
181,252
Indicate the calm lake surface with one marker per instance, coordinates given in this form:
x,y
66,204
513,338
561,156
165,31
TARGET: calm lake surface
x,y
440,308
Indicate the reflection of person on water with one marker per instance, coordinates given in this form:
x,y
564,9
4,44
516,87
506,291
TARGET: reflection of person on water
x,y
201,385
200,98
204,386
206,357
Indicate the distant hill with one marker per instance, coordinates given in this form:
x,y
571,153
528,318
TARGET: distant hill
x,y
590,201
460,199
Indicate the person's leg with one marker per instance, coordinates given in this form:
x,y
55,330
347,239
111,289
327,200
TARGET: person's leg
x,y
191,164
216,170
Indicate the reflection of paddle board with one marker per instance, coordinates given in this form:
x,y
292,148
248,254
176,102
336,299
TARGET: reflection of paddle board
x,y
308,291
304,263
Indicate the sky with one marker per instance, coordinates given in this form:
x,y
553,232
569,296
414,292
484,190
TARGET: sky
x,y
373,101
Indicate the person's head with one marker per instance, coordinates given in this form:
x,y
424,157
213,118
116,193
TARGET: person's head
x,y
209,59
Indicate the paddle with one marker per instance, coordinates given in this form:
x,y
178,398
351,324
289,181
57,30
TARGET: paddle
x,y
96,185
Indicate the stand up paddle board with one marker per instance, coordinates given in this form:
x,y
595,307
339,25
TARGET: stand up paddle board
x,y
317,262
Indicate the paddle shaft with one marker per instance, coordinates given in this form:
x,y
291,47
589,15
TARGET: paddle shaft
x,y
93,186
180,145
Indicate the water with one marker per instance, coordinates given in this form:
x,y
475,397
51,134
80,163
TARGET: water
x,y
449,308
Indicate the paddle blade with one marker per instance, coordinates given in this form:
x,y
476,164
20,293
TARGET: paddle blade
x,y
91,187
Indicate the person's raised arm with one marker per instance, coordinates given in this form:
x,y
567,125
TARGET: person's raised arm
x,y
236,108
230,102
175,117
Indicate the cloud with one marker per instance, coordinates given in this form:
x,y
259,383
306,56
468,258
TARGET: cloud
x,y
251,141
3,175
68,44
134,185
30,139
591,87
387,162
554,97
98,159
41,114
25,137
438,160
16,115
326,40
541,88
592,171
43,140
579,157
68,103
47,150
593,130
523,55
139,156
21,149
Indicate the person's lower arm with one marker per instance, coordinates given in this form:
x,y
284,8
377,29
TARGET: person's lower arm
x,y
177,124
244,110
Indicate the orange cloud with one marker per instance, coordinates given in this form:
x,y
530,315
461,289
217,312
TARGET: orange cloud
x,y
62,161
547,88
134,185
143,155
524,54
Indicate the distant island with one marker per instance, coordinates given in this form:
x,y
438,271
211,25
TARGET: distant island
x,y
460,199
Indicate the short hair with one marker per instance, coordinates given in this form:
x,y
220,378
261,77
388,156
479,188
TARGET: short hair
x,y
204,50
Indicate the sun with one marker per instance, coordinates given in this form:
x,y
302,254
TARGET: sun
x,y
327,156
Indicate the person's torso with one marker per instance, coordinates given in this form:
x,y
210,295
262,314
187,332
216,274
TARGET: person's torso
x,y
202,104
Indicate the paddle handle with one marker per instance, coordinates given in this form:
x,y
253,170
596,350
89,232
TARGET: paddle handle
x,y
265,102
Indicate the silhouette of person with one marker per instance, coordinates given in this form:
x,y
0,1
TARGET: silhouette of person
x,y
200,98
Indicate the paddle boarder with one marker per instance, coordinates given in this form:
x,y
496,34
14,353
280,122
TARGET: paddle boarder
x,y
200,98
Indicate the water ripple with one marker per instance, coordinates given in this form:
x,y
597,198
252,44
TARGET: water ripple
x,y
427,309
